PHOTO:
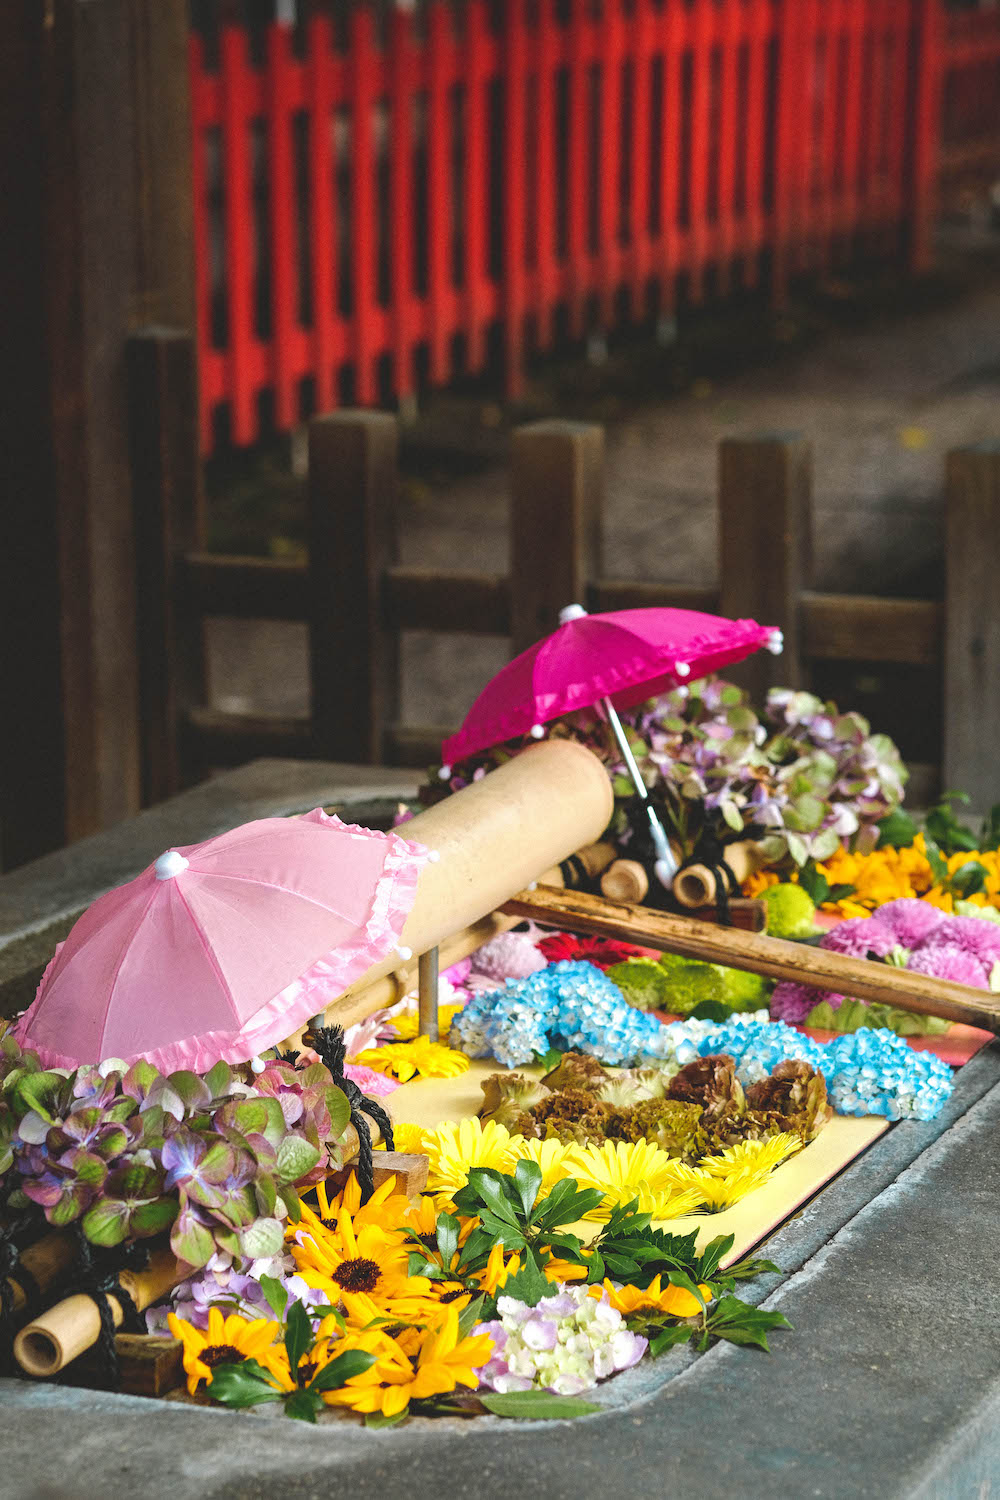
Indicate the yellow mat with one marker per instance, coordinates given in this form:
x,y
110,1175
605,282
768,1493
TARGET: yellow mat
x,y
432,1101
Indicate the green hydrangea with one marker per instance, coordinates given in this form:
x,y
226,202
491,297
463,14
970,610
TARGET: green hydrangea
x,y
790,912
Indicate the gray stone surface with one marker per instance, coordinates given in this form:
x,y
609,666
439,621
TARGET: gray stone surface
x,y
39,902
889,1386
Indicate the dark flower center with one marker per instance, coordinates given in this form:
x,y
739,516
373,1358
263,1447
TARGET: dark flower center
x,y
458,1291
307,1371
357,1275
221,1354
328,1223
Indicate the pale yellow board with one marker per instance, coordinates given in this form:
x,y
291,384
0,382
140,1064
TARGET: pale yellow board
x,y
432,1101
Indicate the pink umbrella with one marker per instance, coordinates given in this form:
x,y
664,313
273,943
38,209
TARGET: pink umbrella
x,y
222,949
617,660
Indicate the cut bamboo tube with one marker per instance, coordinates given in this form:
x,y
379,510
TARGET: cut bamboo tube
x,y
625,880
45,1260
773,957
696,885
50,1342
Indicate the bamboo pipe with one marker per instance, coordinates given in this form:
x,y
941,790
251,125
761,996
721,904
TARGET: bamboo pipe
x,y
759,954
45,1260
493,838
50,1342
696,885
625,880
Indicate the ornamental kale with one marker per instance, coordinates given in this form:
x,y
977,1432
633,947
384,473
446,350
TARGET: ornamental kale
x,y
131,1153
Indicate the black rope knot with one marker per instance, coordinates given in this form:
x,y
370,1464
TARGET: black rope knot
x,y
96,1275
330,1047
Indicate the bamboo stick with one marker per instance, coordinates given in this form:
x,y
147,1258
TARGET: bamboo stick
x,y
696,885
773,957
45,1260
50,1342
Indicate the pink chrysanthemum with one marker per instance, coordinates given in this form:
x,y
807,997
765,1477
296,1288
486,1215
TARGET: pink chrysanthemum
x,y
792,1001
860,936
950,962
911,921
510,955
971,934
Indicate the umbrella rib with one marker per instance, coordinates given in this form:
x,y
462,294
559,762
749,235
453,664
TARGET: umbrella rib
x,y
126,945
272,885
210,956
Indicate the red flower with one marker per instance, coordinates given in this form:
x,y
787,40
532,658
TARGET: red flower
x,y
560,946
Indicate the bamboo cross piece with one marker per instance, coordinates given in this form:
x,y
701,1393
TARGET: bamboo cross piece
x,y
773,957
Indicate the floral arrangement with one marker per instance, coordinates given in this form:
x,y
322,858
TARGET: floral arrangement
x,y
802,775
131,1153
495,1306
911,934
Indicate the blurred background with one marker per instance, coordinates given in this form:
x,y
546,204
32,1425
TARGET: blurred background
x,y
345,342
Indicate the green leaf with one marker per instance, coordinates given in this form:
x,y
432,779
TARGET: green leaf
x,y
298,1335
539,1406
669,1338
242,1385
340,1370
36,1091
190,1240
897,830
713,1256
152,1218
276,1294
939,866
470,1315
262,1239
448,1230
739,1323
488,1187
710,1010
527,1180
303,1405
296,1157
378,1419
529,1285
218,1079
968,879
106,1223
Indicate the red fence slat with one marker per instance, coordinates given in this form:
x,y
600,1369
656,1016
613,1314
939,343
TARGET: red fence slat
x,y
636,140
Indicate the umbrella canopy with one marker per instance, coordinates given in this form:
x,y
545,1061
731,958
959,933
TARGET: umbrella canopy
x,y
222,949
626,655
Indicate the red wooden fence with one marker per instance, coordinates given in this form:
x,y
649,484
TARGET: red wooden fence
x,y
368,213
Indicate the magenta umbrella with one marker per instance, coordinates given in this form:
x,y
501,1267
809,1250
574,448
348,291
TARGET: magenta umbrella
x,y
615,660
223,949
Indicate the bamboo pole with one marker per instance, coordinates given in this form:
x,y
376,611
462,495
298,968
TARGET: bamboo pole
x,y
45,1260
773,957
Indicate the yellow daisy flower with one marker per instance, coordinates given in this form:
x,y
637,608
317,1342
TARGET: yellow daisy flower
x,y
420,1058
755,1156
229,1341
455,1148
550,1155
716,1194
668,1299
622,1171
405,1024
385,1208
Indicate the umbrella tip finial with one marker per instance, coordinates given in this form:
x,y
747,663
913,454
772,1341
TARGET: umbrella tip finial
x,y
170,864
444,774
776,642
571,612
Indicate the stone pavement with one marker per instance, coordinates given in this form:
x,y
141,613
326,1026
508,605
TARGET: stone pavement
x,y
889,1387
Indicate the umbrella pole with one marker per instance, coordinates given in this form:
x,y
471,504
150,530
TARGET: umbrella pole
x,y
427,980
666,864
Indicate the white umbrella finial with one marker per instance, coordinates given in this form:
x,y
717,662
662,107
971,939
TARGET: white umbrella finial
x,y
170,864
571,612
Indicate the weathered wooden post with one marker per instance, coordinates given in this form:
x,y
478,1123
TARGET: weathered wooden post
x,y
972,623
95,208
354,657
557,486
765,548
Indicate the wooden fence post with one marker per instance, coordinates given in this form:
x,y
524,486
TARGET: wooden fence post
x,y
972,624
354,658
167,509
557,485
765,547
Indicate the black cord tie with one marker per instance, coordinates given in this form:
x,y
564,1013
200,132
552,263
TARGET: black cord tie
x,y
329,1045
97,1277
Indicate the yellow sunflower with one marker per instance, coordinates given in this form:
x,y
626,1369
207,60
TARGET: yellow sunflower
x,y
385,1208
458,1146
420,1058
668,1299
357,1259
443,1362
228,1341
498,1270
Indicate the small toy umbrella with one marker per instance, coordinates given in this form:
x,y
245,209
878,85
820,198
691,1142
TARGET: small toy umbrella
x,y
222,949
615,660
